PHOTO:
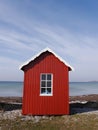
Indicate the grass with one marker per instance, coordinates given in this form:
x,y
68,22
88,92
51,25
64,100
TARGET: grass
x,y
71,122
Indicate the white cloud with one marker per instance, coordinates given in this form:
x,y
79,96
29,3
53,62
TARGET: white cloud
x,y
24,36
78,50
9,69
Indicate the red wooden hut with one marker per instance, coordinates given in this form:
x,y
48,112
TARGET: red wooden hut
x,y
46,85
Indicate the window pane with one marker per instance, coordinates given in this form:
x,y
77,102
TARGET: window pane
x,y
48,83
43,83
48,90
42,90
43,77
48,76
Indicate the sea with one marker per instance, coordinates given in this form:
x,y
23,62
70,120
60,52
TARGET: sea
x,y
13,88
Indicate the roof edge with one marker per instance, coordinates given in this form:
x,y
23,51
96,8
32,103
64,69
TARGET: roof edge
x,y
38,54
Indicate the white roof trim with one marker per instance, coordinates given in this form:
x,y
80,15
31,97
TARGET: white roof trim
x,y
46,49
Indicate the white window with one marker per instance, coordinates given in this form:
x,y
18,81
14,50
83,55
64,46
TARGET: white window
x,y
46,81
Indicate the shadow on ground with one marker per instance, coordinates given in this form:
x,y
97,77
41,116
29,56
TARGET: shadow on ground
x,y
83,107
74,107
10,106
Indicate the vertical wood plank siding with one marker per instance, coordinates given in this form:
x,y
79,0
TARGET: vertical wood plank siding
x,y
33,103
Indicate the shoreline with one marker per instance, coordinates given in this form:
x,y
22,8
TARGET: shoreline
x,y
83,111
90,97
77,104
81,98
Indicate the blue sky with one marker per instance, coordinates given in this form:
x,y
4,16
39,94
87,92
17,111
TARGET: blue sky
x,y
68,27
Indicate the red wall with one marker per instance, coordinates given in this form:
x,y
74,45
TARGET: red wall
x,y
35,104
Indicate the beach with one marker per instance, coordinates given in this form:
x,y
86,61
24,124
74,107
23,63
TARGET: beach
x,y
83,115
78,102
90,97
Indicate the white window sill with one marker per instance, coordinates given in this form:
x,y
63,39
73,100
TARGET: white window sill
x,y
46,95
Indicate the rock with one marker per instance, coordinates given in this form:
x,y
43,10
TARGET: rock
x,y
10,114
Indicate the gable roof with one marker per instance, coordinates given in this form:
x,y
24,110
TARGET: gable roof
x,y
49,50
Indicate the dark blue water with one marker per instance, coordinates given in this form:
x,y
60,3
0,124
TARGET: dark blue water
x,y
76,88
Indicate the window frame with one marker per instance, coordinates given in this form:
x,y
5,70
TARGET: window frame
x,y
46,94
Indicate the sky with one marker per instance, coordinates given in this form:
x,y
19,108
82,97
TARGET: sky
x,y
68,27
